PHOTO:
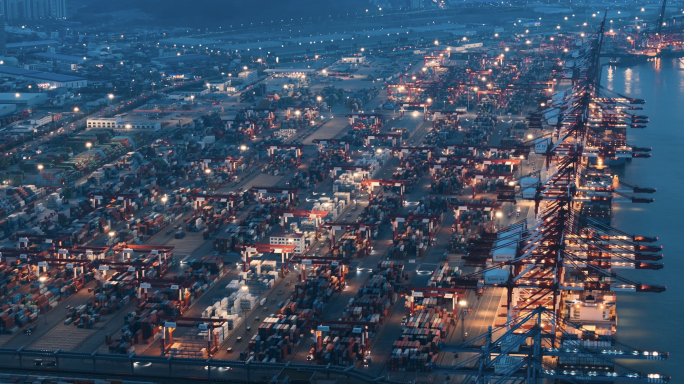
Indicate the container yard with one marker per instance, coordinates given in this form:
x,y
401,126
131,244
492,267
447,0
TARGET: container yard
x,y
396,225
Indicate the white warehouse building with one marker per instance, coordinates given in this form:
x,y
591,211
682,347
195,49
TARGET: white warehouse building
x,y
119,125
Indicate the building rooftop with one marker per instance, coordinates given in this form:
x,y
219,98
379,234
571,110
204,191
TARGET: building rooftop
x,y
32,44
288,235
189,41
52,77
16,71
18,96
320,39
181,58
60,57
257,45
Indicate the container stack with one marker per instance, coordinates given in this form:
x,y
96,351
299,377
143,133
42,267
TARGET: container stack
x,y
444,276
275,339
373,300
411,356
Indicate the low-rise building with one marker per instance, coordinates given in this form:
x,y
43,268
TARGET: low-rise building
x,y
119,125
353,59
248,77
23,100
299,239
219,85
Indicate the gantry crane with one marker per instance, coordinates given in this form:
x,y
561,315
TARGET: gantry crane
x,y
338,226
334,168
446,293
431,220
529,350
248,251
96,198
372,183
169,324
379,119
229,161
297,148
228,199
305,260
381,136
316,216
260,191
402,150
322,143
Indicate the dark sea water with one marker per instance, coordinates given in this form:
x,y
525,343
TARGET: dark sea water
x,y
651,321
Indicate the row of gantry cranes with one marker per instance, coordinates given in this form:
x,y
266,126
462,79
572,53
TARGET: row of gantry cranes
x,y
558,268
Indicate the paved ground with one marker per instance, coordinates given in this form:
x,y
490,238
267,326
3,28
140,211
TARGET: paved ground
x,y
485,310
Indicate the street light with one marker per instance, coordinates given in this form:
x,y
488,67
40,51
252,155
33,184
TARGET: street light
x,y
429,100
378,150
17,95
76,109
498,215
40,167
88,145
464,311
529,136
243,147
207,171
319,99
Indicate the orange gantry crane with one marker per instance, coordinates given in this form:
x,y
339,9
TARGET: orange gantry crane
x,y
313,215
260,191
249,250
372,183
430,220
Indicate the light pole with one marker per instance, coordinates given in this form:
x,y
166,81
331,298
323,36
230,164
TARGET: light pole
x,y
475,90
111,97
40,167
192,101
42,280
111,236
498,216
164,199
464,311
245,289
88,145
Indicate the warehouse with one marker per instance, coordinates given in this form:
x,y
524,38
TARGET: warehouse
x,y
22,100
119,125
179,59
54,80
60,57
44,80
